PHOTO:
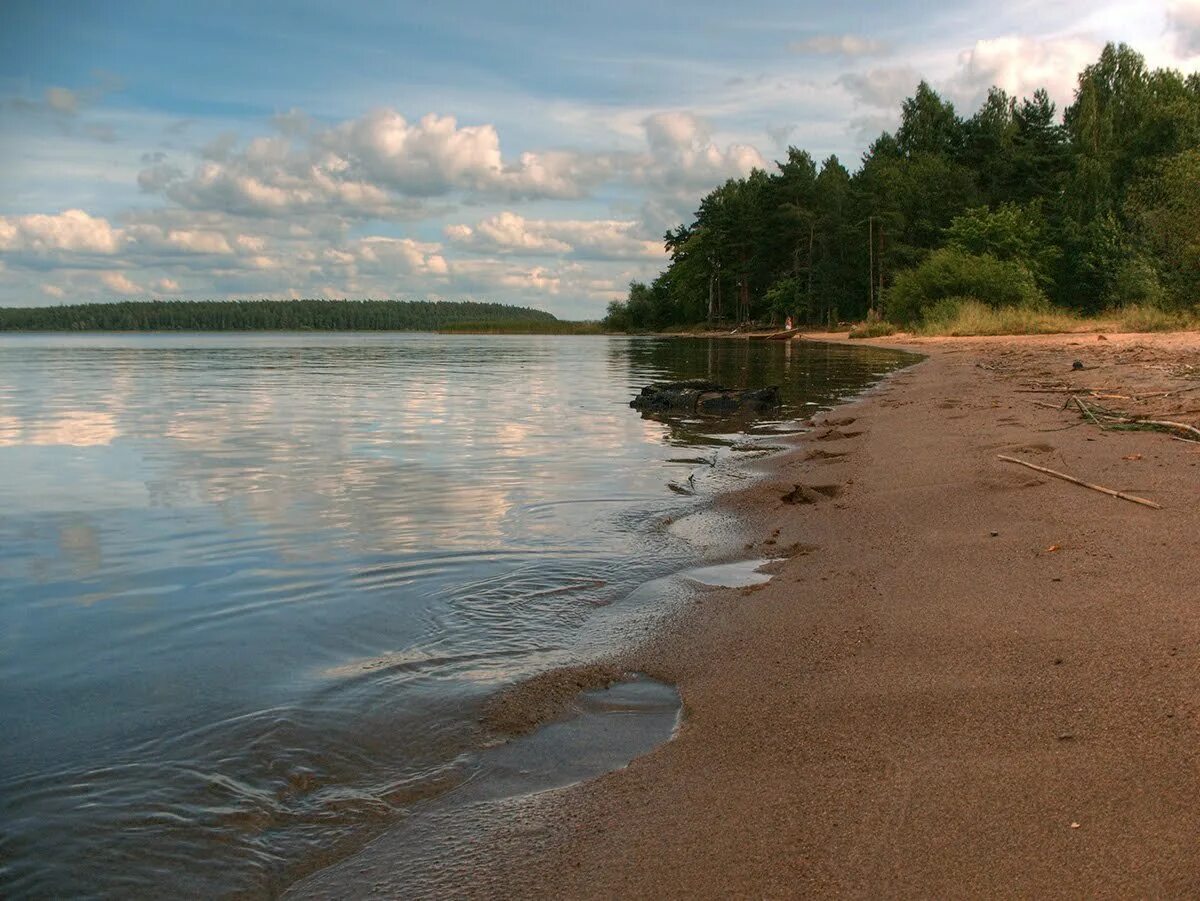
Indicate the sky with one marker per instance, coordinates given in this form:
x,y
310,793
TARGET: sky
x,y
524,152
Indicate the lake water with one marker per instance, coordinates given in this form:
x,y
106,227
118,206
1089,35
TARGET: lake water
x,y
255,588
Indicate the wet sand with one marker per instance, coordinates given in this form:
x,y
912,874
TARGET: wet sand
x,y
965,679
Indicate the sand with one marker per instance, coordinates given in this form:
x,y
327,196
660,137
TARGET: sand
x,y
966,679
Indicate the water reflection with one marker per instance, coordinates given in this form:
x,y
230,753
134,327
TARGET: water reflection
x,y
254,588
74,428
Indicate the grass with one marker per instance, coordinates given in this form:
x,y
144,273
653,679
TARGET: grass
x,y
960,318
878,328
523,327
1136,318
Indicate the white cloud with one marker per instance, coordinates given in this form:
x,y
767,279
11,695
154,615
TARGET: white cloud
x,y
166,286
253,187
1020,65
72,230
683,154
51,290
199,241
509,232
373,166
436,155
119,283
1183,24
838,45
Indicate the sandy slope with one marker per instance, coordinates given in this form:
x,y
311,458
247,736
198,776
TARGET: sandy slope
x,y
913,706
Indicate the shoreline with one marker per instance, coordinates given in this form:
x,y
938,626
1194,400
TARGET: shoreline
x,y
912,705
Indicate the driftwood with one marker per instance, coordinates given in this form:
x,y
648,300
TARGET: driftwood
x,y
1074,481
1133,419
1170,425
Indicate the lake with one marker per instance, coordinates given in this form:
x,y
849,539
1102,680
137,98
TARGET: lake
x,y
255,587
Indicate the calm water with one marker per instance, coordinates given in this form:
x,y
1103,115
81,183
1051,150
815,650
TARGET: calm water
x,y
253,589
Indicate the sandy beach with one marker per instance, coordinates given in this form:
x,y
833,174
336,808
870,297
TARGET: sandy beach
x,y
966,679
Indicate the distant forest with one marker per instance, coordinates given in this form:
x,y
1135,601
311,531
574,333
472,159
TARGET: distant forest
x,y
1097,210
254,315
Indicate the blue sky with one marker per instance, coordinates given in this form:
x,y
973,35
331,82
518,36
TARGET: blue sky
x,y
525,152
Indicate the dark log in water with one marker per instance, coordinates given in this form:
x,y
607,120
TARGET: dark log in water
x,y
705,398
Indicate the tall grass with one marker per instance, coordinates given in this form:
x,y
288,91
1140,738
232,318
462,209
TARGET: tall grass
x,y
872,328
1145,318
964,316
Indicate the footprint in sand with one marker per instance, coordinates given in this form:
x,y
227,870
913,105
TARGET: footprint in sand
x,y
811,494
836,435
820,454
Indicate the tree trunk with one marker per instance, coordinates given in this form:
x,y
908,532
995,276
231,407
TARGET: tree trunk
x,y
879,293
870,267
812,234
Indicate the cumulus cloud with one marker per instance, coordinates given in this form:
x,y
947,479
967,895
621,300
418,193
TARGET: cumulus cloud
x,y
1020,65
119,283
255,184
683,153
377,165
1183,24
72,230
436,155
838,45
508,232
76,240
386,256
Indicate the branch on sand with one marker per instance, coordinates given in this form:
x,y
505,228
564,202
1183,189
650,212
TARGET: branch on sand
x,y
1074,481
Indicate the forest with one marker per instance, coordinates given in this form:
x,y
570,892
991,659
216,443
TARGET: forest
x,y
1013,206
255,315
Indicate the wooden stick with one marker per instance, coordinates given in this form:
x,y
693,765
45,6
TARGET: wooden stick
x,y
1086,412
1171,425
1066,478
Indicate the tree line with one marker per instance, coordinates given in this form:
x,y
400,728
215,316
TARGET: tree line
x,y
1097,209
254,315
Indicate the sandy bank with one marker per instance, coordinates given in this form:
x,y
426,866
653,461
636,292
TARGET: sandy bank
x,y
967,679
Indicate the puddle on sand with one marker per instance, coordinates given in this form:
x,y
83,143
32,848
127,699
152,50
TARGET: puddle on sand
x,y
739,574
606,729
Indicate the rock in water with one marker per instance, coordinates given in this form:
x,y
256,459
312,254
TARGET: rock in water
x,y
705,398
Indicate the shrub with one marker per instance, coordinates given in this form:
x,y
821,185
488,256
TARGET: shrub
x,y
950,273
